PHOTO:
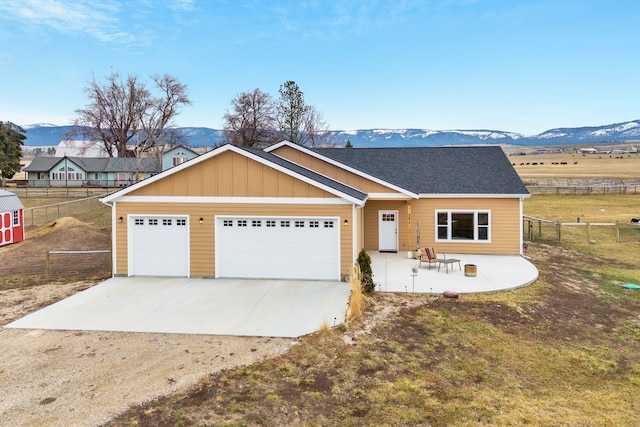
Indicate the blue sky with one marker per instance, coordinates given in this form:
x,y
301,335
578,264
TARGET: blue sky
x,y
522,66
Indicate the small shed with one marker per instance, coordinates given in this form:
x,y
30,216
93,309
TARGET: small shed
x,y
11,218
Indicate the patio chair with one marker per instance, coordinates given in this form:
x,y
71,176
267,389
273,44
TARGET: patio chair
x,y
430,256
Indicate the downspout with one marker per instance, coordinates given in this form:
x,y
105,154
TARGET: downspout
x,y
113,237
521,226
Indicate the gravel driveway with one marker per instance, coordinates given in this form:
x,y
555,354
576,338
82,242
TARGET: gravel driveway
x,y
61,378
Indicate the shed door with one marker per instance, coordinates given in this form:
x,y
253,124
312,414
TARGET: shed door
x,y
6,225
278,248
158,246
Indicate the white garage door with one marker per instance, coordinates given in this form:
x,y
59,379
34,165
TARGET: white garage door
x,y
278,248
158,246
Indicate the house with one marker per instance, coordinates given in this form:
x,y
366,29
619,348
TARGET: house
x,y
177,156
11,218
291,212
89,171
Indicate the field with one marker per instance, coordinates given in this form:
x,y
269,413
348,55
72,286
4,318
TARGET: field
x,y
572,168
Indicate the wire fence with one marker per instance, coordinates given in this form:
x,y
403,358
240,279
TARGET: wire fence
x,y
59,266
538,229
43,214
43,193
548,190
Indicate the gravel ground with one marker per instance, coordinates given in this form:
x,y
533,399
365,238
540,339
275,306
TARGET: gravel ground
x,y
62,378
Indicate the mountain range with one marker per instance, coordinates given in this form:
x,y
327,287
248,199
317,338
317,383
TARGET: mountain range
x,y
51,135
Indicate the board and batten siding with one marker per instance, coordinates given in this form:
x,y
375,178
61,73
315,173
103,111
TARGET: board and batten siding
x,y
505,224
327,169
230,174
202,236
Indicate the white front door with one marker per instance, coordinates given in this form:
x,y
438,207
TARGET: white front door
x,y
388,231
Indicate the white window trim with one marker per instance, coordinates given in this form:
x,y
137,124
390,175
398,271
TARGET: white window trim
x,y
475,213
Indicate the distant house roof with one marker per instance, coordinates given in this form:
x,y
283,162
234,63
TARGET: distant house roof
x,y
94,164
9,202
435,170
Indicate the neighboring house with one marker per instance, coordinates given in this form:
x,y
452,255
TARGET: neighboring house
x,y
177,156
11,218
91,172
294,212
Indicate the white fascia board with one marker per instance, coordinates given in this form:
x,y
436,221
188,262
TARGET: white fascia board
x,y
472,196
238,200
390,196
341,166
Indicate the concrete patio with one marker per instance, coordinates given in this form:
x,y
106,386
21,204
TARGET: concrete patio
x,y
392,272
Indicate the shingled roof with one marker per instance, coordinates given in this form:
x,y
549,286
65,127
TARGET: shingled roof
x,y
435,170
95,164
9,202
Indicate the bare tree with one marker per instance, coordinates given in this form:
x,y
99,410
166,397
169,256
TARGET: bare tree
x,y
315,131
160,133
251,121
125,118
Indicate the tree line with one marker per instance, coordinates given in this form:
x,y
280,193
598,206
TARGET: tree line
x,y
128,117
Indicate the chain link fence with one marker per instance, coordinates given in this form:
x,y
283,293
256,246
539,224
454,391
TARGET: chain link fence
x,y
41,215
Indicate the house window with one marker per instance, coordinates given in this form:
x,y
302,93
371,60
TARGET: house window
x,y
463,226
179,160
16,218
41,175
123,176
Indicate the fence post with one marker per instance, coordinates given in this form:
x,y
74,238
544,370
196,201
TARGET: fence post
x,y
588,231
48,265
559,232
617,232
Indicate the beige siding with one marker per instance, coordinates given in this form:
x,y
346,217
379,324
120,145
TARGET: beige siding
x,y
371,210
202,236
332,171
505,224
230,174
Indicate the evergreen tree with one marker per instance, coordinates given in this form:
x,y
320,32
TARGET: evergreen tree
x,y
11,142
291,111
348,144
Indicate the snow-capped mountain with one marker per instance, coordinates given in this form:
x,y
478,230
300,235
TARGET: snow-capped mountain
x,y
49,135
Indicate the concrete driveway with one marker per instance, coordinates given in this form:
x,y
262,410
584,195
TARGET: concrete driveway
x,y
241,307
